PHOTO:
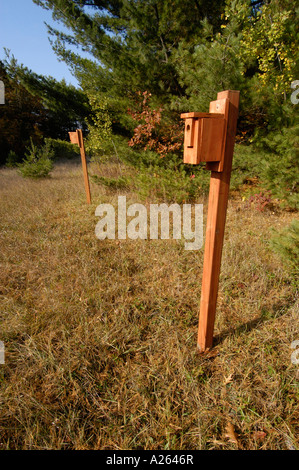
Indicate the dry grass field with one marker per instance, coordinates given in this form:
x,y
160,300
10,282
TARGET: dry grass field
x,y
100,336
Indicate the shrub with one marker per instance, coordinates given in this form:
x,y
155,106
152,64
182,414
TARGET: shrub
x,y
154,131
261,200
246,165
113,183
286,244
12,159
171,185
38,162
279,165
100,125
272,164
62,149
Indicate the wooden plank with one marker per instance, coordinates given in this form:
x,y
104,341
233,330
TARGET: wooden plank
x,y
204,138
84,164
218,198
220,106
74,138
189,132
192,141
212,133
201,115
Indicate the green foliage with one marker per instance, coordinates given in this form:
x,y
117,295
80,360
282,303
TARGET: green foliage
x,y
12,159
270,165
121,182
171,185
63,106
286,244
62,149
36,107
38,162
208,64
160,184
246,165
131,41
100,126
163,179
180,54
270,39
21,117
280,164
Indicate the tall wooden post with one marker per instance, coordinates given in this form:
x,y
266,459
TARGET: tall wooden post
x,y
84,164
218,197
210,138
77,139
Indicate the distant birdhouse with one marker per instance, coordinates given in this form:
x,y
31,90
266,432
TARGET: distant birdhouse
x,y
204,137
74,138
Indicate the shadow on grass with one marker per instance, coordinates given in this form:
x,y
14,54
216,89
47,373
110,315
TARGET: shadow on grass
x,y
276,310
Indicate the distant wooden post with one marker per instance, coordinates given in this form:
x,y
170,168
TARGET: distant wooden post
x,y
77,138
210,137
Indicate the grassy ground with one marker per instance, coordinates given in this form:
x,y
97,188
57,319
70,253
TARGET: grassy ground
x,y
100,336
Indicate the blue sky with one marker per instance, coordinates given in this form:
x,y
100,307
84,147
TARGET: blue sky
x,y
22,30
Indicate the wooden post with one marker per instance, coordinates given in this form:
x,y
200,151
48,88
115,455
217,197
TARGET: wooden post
x,y
77,138
218,197
84,164
210,138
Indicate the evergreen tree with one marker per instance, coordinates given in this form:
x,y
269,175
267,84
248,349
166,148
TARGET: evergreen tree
x,y
64,106
211,63
132,41
180,52
286,244
21,117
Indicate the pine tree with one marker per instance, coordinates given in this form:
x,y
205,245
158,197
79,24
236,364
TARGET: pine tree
x,y
286,244
210,63
65,107
23,116
132,41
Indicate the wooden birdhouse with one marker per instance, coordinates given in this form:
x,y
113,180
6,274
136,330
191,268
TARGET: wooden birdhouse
x,y
74,138
204,137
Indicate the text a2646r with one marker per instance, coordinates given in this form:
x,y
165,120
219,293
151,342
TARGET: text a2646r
x,y
155,459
